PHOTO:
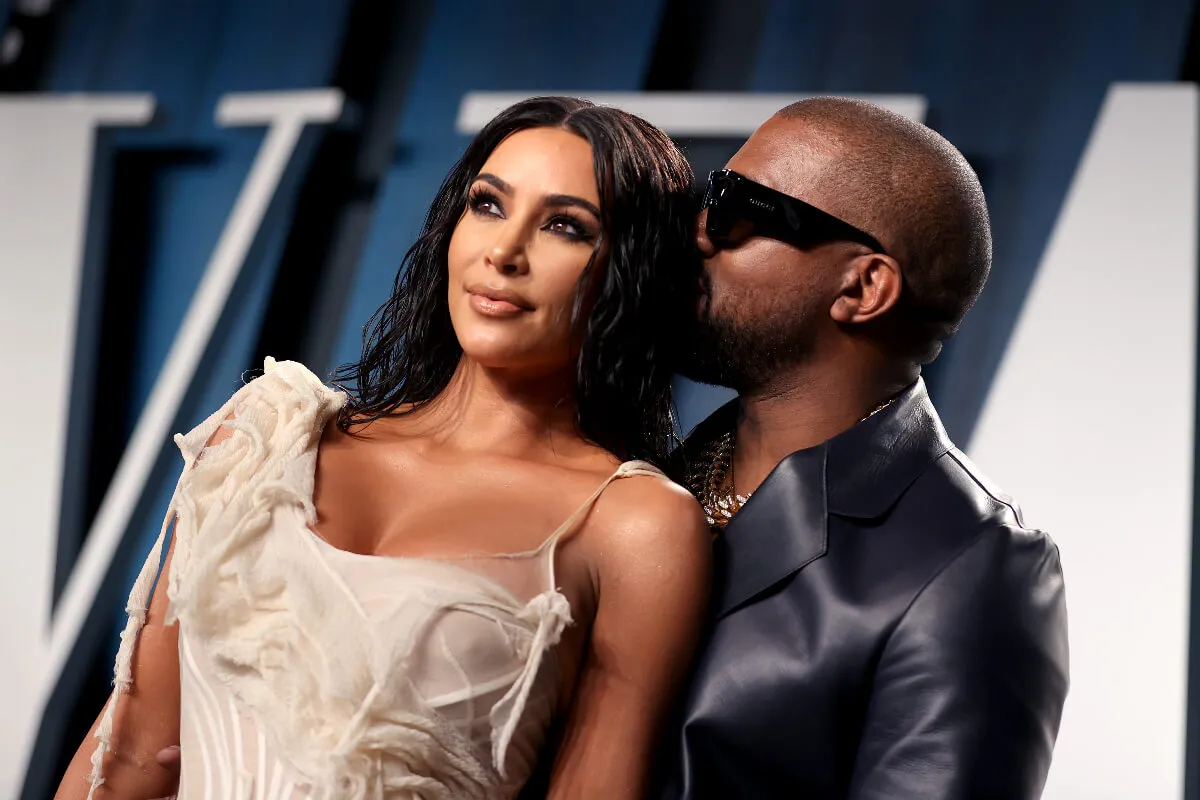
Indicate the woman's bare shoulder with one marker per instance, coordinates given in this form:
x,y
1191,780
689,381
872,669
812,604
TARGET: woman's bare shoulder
x,y
645,518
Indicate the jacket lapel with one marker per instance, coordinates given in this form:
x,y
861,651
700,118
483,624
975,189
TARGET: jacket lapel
x,y
860,473
779,531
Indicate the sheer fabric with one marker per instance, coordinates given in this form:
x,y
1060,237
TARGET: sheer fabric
x,y
308,671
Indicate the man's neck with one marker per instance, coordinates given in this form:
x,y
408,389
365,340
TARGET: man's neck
x,y
803,410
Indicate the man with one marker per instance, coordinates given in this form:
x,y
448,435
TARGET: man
x,y
884,625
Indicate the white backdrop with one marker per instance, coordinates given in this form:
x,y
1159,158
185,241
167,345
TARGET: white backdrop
x,y
46,170
1089,425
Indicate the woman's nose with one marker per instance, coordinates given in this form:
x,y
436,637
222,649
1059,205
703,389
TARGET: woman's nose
x,y
508,253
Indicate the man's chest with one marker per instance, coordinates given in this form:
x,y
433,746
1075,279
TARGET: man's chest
x,y
797,662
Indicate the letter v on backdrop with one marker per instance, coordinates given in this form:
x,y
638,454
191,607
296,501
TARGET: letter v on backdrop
x,y
47,167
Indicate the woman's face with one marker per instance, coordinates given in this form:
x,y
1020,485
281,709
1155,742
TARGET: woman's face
x,y
517,253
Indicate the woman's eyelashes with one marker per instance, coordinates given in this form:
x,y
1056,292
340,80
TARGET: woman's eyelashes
x,y
485,203
571,227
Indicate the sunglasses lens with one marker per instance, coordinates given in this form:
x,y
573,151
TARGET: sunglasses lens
x,y
718,203
717,223
729,221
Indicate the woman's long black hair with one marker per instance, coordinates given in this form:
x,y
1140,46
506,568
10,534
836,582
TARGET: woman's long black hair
x,y
637,301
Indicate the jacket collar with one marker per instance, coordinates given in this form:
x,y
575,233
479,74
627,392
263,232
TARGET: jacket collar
x,y
874,462
860,473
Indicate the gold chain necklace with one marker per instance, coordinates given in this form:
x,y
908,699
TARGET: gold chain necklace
x,y
711,477
711,480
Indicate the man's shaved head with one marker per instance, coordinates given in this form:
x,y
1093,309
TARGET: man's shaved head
x,y
911,189
773,309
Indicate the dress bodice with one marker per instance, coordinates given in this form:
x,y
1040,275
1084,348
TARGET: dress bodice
x,y
309,671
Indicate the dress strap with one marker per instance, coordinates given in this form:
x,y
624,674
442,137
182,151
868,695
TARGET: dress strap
x,y
626,470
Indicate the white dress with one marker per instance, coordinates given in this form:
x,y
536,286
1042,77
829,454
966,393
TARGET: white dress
x,y
311,672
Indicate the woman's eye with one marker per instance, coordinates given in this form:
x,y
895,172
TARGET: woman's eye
x,y
485,203
570,228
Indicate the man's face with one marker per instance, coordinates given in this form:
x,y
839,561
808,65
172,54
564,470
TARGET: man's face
x,y
764,301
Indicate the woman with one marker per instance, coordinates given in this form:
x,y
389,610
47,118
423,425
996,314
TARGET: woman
x,y
404,603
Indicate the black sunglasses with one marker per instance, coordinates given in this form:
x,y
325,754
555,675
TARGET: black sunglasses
x,y
739,208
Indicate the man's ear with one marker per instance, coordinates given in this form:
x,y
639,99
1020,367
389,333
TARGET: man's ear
x,y
871,287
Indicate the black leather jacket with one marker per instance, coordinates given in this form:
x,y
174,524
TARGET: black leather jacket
x,y
884,627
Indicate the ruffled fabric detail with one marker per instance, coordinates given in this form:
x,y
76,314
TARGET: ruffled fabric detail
x,y
551,614
335,706
252,606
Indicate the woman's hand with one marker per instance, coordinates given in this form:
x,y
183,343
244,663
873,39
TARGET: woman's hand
x,y
169,758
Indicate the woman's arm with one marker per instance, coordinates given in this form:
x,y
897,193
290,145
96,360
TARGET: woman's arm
x,y
652,566
146,717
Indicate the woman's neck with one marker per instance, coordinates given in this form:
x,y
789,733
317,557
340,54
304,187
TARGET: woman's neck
x,y
499,411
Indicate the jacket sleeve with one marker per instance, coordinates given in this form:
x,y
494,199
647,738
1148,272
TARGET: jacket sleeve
x,y
969,688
